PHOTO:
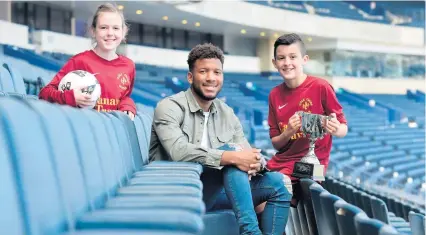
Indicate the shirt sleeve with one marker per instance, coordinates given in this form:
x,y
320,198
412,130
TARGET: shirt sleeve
x,y
51,93
331,104
126,102
274,129
167,124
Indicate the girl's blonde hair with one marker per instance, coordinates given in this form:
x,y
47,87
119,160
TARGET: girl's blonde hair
x,y
108,7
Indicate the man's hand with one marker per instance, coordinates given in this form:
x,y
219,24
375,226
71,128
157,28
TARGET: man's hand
x,y
248,159
82,100
331,126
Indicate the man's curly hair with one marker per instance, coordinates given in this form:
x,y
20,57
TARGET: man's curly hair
x,y
204,51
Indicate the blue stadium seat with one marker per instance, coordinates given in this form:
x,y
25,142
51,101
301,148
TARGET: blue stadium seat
x,y
345,214
308,204
6,83
143,125
327,204
18,81
417,223
220,222
321,222
12,220
380,212
58,168
367,226
103,185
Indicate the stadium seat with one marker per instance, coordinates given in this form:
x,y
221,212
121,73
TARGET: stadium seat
x,y
98,179
366,202
417,223
220,222
58,168
345,214
367,226
321,222
6,83
308,205
141,153
18,81
327,204
12,221
380,212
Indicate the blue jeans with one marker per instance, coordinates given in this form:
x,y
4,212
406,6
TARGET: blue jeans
x,y
230,188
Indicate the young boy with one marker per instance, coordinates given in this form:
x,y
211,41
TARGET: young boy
x,y
299,92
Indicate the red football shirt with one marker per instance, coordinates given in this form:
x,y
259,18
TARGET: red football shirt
x,y
116,78
314,95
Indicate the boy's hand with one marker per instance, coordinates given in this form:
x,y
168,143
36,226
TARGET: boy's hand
x,y
294,123
331,125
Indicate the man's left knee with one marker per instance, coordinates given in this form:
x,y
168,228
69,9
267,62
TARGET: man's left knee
x,y
277,181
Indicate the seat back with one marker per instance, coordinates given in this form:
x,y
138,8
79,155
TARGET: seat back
x,y
144,135
123,138
345,214
108,150
6,83
12,220
380,211
36,175
307,203
17,79
327,205
365,225
133,137
321,222
366,204
115,158
66,159
417,223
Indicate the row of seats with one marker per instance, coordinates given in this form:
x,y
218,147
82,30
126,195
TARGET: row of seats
x,y
66,170
324,213
12,82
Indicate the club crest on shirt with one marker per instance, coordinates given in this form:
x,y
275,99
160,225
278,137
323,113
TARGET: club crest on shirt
x,y
124,81
305,104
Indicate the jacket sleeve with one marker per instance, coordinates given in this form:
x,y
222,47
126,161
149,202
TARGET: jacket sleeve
x,y
51,93
126,102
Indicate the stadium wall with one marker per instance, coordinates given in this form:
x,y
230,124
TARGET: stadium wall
x,y
14,34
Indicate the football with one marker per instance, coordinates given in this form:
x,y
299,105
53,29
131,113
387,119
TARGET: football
x,y
81,78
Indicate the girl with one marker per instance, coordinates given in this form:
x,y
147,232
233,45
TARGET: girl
x,y
114,72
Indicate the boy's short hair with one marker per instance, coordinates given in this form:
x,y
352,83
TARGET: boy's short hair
x,y
204,51
289,39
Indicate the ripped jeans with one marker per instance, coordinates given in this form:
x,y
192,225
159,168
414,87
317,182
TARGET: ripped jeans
x,y
230,188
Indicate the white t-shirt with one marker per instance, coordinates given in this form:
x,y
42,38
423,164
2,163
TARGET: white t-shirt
x,y
205,141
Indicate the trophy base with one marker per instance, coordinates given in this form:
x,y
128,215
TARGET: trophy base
x,y
308,170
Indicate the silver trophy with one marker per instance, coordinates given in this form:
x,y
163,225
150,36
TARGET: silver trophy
x,y
309,166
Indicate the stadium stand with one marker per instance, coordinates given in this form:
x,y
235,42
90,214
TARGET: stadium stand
x,y
379,12
75,171
83,198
